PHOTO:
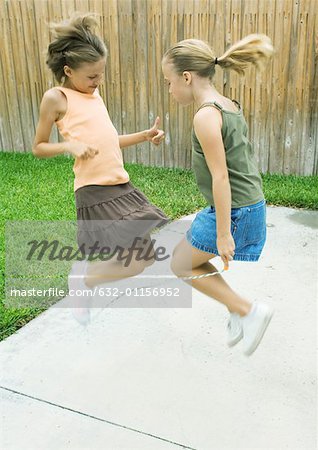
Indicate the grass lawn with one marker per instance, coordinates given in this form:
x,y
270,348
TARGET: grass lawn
x,y
42,189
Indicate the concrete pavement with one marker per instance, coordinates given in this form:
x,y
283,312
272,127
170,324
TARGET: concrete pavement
x,y
163,379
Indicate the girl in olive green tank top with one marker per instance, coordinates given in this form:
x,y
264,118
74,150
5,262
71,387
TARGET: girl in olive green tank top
x,y
233,226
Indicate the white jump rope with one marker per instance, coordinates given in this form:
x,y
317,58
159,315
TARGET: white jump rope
x,y
188,278
204,275
193,277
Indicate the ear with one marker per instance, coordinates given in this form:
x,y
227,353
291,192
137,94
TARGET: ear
x,y
67,71
187,76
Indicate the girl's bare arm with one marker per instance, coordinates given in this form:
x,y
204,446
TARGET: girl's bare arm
x,y
207,125
49,113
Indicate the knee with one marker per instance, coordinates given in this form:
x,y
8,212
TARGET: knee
x,y
177,268
149,262
147,257
139,265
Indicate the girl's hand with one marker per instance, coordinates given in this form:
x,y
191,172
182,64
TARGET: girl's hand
x,y
81,150
226,246
154,135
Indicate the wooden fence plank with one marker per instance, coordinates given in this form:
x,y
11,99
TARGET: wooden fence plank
x,y
290,159
308,13
113,73
12,75
7,112
169,119
313,102
141,76
126,58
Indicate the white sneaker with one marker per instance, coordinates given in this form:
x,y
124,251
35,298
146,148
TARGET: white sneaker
x,y
76,283
254,326
234,329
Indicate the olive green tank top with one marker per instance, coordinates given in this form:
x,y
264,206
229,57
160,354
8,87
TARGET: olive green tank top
x,y
244,177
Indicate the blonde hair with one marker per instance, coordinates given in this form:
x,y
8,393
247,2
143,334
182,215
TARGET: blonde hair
x,y
75,43
197,56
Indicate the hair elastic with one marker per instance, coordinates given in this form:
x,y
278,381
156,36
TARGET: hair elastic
x,y
215,61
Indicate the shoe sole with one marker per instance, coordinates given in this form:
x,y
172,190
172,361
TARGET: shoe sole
x,y
260,335
236,340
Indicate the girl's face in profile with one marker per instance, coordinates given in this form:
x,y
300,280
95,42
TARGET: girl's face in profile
x,y
87,77
179,86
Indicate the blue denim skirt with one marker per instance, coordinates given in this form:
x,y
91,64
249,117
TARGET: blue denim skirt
x,y
248,228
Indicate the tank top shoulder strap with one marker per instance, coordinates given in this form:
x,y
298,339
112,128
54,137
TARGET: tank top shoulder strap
x,y
215,104
64,91
60,88
237,103
218,106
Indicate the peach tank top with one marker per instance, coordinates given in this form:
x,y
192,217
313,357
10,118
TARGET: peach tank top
x,y
87,120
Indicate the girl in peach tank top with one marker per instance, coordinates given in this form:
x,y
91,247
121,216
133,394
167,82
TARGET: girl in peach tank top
x,y
111,213
87,120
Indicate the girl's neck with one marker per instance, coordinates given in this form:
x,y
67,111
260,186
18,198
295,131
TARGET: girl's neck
x,y
68,85
206,94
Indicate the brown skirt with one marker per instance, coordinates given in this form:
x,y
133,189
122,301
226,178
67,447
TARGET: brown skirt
x,y
110,217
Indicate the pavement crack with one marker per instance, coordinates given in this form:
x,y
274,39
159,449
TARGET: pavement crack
x,y
109,422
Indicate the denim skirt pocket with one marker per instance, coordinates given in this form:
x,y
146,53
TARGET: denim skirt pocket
x,y
236,216
254,218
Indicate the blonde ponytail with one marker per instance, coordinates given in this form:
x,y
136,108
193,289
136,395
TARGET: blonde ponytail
x,y
254,49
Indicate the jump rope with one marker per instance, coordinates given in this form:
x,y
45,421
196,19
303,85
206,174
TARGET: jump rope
x,y
188,278
204,275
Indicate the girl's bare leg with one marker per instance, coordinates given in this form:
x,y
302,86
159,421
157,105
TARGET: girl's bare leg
x,y
214,286
128,264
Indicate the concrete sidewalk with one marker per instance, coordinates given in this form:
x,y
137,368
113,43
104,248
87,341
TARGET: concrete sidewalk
x,y
163,379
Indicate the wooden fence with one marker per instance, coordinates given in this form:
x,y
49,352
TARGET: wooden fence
x,y
280,103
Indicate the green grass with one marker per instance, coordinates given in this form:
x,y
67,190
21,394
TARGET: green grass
x,y
291,190
42,189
